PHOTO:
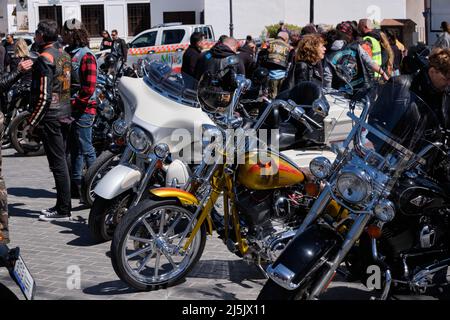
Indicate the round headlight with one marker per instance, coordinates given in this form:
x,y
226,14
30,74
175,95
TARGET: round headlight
x,y
119,127
106,110
354,186
138,140
385,211
320,167
161,150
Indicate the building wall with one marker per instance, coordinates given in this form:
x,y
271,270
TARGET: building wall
x,y
116,11
414,11
251,16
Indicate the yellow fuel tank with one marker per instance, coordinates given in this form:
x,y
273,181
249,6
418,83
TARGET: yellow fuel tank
x,y
275,171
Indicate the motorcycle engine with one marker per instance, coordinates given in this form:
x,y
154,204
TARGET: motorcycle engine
x,y
271,217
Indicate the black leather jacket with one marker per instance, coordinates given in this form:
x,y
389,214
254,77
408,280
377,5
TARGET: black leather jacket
x,y
6,81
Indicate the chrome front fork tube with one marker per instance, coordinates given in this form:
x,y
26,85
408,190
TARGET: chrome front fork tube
x,y
144,182
316,210
352,236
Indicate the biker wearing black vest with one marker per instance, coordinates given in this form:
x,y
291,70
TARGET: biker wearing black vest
x,y
50,100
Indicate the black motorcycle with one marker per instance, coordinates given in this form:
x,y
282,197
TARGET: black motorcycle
x,y
11,260
385,206
16,133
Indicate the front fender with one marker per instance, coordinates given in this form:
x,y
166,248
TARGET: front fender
x,y
303,254
120,179
184,197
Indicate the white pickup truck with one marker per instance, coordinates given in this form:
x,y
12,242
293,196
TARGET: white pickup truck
x,y
165,42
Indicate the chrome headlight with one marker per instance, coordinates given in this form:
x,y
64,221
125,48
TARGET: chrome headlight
x,y
385,211
119,127
138,140
106,110
354,185
320,167
161,150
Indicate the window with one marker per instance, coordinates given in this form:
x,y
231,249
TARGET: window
x,y
146,40
138,18
185,17
173,36
93,18
51,13
206,31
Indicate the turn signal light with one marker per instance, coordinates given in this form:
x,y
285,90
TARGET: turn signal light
x,y
312,189
374,232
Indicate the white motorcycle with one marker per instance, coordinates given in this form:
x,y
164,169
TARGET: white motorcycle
x,y
160,136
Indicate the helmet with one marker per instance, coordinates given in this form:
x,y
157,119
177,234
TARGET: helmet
x,y
110,61
215,92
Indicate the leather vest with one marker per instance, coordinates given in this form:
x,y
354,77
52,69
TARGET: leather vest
x,y
61,65
278,53
77,57
348,68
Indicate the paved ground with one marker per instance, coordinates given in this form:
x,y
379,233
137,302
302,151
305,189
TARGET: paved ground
x,y
52,250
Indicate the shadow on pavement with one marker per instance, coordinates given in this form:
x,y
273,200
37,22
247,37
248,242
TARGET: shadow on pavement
x,y
235,271
109,288
31,193
79,228
15,211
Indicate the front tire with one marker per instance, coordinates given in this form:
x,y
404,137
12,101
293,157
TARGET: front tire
x,y
102,165
141,249
105,216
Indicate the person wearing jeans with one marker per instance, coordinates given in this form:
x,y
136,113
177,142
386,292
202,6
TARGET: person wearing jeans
x,y
84,81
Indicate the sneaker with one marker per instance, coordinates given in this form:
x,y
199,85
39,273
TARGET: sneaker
x,y
53,215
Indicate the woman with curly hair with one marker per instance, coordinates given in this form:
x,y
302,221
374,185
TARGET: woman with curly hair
x,y
308,61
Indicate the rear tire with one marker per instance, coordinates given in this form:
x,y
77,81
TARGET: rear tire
x,y
19,138
94,174
132,221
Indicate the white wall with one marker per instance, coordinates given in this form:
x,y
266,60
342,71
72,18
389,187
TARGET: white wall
x,y
333,11
157,8
251,16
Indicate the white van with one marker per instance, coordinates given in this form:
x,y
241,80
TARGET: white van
x,y
166,42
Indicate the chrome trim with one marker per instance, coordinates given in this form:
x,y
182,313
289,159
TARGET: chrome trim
x,y
283,276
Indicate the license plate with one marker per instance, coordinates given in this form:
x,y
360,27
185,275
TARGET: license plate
x,y
24,279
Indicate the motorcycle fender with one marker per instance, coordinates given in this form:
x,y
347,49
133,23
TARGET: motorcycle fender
x,y
120,179
302,255
185,198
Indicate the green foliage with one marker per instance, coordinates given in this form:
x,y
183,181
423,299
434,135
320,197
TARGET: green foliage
x,y
272,29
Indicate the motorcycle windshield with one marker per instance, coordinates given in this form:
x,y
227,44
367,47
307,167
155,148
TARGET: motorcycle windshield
x,y
177,86
398,128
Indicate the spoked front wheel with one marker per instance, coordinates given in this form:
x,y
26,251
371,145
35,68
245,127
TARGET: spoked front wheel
x,y
145,249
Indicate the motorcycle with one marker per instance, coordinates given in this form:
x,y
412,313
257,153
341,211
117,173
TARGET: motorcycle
x,y
160,103
264,199
16,126
19,272
390,180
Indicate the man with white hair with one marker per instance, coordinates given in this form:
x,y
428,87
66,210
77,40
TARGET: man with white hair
x,y
276,59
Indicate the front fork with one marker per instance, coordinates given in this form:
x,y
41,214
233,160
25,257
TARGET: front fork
x,y
154,163
352,236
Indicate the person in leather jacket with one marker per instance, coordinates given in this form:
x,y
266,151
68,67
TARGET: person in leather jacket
x,y
6,81
50,102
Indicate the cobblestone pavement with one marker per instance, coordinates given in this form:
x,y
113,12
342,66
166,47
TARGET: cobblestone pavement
x,y
52,250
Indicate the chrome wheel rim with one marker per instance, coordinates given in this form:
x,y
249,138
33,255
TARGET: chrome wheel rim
x,y
149,251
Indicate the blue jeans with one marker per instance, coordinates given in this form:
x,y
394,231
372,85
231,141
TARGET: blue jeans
x,y
81,148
